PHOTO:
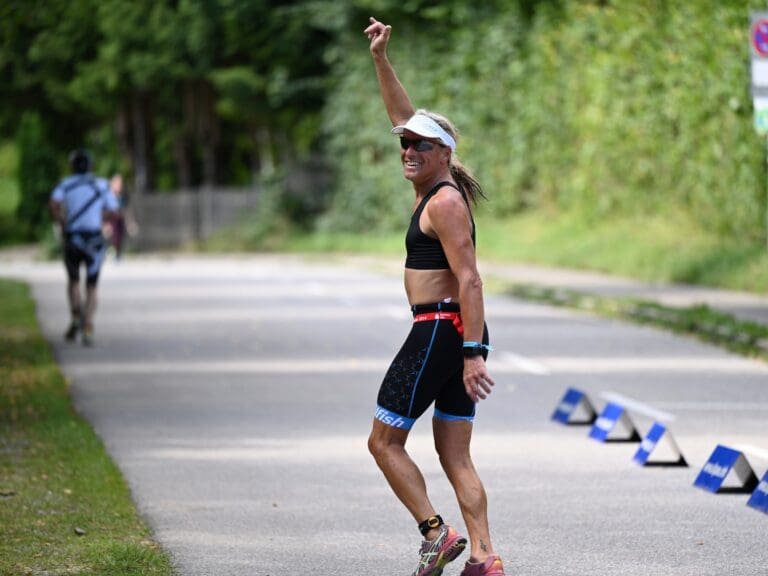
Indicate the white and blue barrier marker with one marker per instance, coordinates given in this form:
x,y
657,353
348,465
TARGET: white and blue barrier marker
x,y
759,498
657,448
726,462
656,435
614,418
574,409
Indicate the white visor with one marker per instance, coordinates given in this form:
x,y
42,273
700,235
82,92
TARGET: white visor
x,y
423,125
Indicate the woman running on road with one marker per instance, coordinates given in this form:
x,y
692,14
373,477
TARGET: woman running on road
x,y
443,357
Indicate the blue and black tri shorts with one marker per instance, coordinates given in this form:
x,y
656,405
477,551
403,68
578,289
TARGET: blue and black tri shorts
x,y
428,368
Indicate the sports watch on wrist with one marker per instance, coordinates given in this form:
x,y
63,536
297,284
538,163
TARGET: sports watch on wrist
x,y
472,349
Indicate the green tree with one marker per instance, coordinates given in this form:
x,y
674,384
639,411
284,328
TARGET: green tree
x,y
601,107
38,173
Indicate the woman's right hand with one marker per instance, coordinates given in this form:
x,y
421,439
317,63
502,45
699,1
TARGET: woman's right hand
x,y
378,33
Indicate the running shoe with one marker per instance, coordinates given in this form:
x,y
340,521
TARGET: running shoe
x,y
435,554
491,567
71,333
87,337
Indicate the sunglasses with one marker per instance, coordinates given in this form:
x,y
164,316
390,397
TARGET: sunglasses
x,y
419,145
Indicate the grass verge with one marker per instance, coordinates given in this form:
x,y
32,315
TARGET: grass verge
x,y
747,338
660,248
64,506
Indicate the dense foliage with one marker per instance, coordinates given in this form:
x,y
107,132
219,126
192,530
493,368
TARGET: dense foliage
x,y
178,92
600,106
37,170
597,106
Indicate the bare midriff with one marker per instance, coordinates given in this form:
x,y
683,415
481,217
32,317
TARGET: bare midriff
x,y
428,286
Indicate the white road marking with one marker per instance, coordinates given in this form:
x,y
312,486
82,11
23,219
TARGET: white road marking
x,y
286,366
524,364
509,365
714,406
248,314
650,364
397,312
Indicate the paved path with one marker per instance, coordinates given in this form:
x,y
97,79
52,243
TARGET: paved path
x,y
744,305
236,396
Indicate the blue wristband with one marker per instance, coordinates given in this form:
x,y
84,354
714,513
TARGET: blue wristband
x,y
470,344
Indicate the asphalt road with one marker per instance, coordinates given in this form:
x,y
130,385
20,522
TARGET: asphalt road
x,y
236,395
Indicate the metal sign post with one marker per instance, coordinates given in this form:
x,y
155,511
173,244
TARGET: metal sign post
x,y
758,43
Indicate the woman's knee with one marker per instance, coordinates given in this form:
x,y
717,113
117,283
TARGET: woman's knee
x,y
451,452
375,445
454,457
385,440
455,463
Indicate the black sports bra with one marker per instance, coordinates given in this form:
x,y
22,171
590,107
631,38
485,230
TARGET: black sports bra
x,y
424,252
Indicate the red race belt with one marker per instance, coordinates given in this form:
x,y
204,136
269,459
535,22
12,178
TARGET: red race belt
x,y
454,317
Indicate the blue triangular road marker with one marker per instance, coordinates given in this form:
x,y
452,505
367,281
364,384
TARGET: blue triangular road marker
x,y
614,415
574,408
721,463
655,435
759,498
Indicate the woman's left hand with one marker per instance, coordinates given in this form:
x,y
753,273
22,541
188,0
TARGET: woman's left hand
x,y
477,381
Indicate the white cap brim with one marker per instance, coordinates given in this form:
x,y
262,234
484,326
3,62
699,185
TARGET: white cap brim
x,y
425,126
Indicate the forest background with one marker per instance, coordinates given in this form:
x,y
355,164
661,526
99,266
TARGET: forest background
x,y
596,127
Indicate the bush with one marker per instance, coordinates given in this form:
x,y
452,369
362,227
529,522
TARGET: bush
x,y
38,173
601,106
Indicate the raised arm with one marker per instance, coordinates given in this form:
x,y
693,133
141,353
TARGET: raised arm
x,y
396,101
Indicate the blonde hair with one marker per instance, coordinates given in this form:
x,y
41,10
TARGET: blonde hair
x,y
464,178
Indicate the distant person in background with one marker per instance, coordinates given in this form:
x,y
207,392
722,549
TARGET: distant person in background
x,y
121,224
442,361
79,204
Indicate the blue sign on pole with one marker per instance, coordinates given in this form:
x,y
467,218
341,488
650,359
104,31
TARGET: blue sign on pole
x,y
574,400
720,464
759,498
612,414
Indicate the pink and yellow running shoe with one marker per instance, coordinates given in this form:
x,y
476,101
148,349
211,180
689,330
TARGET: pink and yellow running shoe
x,y
491,567
435,554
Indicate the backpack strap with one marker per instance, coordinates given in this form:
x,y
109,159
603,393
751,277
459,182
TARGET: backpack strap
x,y
83,209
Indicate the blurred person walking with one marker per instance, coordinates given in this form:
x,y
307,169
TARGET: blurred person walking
x,y
443,357
79,204
120,224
